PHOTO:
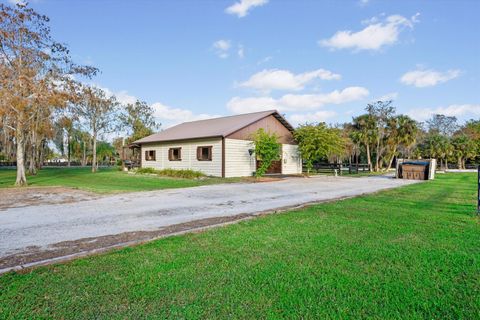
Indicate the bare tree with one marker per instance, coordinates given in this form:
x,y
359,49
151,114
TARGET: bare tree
x,y
35,72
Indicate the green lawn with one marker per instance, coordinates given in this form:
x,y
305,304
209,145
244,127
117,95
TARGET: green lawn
x,y
409,253
106,180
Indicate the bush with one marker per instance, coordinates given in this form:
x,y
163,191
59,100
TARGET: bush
x,y
147,170
174,173
267,150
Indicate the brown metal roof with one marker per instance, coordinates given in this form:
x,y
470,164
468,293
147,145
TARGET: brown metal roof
x,y
216,127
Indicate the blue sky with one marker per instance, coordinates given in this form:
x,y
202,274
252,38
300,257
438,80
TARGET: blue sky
x,y
312,60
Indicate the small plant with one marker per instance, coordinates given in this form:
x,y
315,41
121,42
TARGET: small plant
x,y
267,150
147,170
174,173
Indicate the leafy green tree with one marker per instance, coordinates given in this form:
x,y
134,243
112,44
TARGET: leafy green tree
x,y
267,150
138,120
463,148
437,146
105,151
402,130
318,141
363,131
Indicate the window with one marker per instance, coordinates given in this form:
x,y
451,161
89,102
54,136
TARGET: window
x,y
175,154
204,153
150,155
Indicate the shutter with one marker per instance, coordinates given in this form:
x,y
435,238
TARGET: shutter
x,y
199,151
146,155
210,153
179,153
170,154
154,155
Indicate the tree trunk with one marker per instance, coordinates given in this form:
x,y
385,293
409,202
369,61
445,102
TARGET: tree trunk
x,y
446,163
391,158
31,165
21,178
84,157
369,158
68,151
94,152
377,157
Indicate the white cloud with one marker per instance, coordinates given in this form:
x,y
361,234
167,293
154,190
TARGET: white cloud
x,y
241,51
275,79
319,116
388,96
373,37
465,111
170,116
428,78
241,8
222,48
363,3
296,102
264,60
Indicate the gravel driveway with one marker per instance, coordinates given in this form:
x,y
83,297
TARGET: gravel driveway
x,y
36,233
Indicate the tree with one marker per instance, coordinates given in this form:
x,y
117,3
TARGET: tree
x,y
98,113
463,148
105,151
138,120
437,146
402,130
35,73
317,141
364,132
267,150
443,125
381,112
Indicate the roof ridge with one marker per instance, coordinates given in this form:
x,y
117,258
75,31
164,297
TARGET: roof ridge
x,y
233,115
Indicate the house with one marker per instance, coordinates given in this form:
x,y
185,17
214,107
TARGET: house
x,y
220,147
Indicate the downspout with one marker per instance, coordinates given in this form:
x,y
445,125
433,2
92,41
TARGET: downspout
x,y
223,157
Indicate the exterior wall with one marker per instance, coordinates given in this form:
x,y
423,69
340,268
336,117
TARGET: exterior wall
x,y
291,161
238,162
189,156
269,124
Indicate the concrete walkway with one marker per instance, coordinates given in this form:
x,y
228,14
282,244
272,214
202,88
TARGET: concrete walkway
x,y
41,227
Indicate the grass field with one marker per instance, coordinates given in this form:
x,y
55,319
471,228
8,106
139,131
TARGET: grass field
x,y
106,180
408,253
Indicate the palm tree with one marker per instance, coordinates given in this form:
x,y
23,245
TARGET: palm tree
x,y
363,131
402,130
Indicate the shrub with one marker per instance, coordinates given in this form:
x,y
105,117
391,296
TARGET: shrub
x,y
147,170
174,173
267,150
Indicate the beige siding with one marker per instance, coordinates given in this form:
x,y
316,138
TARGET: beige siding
x,y
189,156
291,161
238,162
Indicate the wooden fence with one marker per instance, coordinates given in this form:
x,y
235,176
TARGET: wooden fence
x,y
331,168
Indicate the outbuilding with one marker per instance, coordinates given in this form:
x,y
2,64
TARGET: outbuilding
x,y
220,147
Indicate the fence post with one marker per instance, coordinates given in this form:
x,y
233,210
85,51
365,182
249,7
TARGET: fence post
x,y
478,193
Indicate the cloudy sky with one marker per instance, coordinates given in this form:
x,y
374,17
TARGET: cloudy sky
x,y
311,60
